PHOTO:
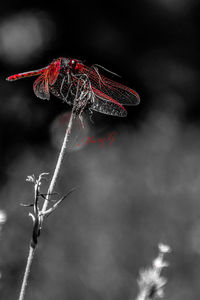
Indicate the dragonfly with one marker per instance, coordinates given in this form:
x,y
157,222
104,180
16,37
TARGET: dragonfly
x,y
81,86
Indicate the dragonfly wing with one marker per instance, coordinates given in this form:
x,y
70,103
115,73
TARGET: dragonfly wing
x,y
115,90
120,92
53,71
106,105
41,87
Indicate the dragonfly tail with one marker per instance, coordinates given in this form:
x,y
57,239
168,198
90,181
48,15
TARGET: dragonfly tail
x,y
25,74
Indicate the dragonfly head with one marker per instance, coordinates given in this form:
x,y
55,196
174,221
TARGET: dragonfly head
x,y
65,62
75,65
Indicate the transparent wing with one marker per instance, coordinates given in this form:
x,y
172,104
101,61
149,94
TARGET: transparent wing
x,y
41,87
106,105
99,101
53,72
117,91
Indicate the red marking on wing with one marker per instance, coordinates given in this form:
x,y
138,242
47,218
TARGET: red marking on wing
x,y
49,77
53,71
114,90
106,97
107,105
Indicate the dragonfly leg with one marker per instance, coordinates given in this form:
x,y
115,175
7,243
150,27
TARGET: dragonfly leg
x,y
82,96
82,122
61,87
96,66
64,97
97,71
91,115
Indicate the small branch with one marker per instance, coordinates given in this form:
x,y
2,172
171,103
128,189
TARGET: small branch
x,y
38,216
51,209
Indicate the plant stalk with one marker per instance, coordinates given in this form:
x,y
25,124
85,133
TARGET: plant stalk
x,y
58,165
45,205
26,273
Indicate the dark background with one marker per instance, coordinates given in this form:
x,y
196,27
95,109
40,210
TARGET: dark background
x,y
142,189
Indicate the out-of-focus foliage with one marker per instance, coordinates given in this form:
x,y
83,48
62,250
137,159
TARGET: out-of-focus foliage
x,y
142,189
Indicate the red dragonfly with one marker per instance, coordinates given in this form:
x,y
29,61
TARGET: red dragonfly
x,y
81,86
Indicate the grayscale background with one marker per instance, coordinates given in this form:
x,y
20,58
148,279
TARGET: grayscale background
x,y
139,190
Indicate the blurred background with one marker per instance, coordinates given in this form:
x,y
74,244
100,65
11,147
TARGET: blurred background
x,y
139,190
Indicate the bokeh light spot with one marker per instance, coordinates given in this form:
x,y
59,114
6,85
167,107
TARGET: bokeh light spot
x,y
24,35
78,134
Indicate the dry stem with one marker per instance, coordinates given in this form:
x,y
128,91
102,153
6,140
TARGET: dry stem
x,y
45,205
58,165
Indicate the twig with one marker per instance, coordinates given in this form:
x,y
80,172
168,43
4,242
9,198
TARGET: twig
x,y
38,218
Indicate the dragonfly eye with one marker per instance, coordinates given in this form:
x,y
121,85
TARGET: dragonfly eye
x,y
73,64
